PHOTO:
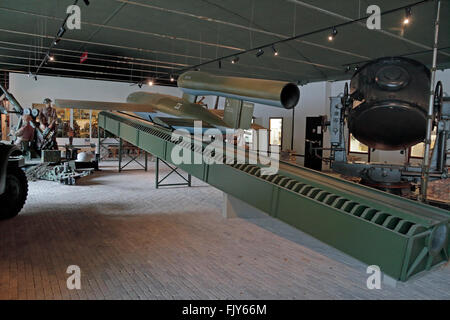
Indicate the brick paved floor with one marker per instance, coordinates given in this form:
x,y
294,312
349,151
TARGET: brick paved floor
x,y
133,241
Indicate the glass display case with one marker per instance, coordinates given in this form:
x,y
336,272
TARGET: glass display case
x,y
81,123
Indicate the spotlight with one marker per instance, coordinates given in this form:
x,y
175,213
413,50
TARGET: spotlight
x,y
61,32
150,82
172,79
275,52
56,41
259,53
407,18
140,84
51,58
332,34
235,60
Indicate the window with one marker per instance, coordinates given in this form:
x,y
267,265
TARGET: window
x,y
416,151
356,146
276,131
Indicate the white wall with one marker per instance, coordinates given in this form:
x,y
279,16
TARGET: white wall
x,y
29,91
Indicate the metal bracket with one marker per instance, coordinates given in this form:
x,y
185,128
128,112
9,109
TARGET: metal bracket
x,y
103,146
172,170
131,158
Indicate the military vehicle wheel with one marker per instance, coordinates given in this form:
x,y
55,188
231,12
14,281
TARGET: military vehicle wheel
x,y
15,195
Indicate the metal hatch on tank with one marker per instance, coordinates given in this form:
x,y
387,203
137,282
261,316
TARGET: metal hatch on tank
x,y
390,99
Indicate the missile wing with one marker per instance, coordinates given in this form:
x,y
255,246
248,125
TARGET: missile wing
x,y
143,103
103,105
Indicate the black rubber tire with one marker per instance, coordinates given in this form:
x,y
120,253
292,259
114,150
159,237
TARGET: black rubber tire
x,y
15,195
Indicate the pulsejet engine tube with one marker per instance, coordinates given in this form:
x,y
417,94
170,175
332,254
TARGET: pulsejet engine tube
x,y
274,93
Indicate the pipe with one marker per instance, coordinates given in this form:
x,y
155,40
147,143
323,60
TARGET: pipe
x,y
426,154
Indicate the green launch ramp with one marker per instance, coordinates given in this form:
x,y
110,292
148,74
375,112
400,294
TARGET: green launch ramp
x,y
401,236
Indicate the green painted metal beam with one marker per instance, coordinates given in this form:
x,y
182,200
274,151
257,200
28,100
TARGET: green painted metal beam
x,y
401,236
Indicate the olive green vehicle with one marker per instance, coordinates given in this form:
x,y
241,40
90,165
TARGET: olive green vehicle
x,y
13,181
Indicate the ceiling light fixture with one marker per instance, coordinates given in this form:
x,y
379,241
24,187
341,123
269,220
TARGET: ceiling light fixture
x,y
172,79
332,34
235,60
150,82
275,52
61,32
259,53
407,18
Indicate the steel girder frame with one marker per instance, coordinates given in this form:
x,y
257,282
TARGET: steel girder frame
x,y
401,236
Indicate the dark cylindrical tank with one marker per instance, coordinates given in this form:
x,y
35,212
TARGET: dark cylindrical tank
x,y
390,103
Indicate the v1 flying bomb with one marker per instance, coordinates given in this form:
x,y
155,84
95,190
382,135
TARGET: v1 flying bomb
x,y
182,112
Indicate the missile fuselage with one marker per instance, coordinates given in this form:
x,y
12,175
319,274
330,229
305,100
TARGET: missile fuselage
x,y
176,107
234,116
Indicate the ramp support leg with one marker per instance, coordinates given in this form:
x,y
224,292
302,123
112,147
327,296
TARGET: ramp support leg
x,y
173,169
132,157
120,154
